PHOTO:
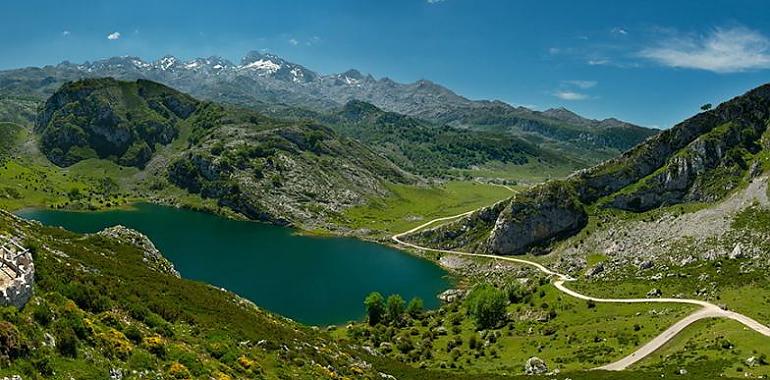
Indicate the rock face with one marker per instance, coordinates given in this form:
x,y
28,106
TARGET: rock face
x,y
700,159
544,213
152,257
270,83
535,366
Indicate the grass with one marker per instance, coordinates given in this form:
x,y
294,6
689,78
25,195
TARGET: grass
x,y
721,345
529,173
410,206
91,184
565,332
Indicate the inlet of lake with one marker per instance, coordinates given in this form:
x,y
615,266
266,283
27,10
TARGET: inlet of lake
x,y
314,280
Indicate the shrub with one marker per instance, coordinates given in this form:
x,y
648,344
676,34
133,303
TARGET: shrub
x,y
375,307
11,345
133,334
486,304
67,343
415,307
395,308
114,344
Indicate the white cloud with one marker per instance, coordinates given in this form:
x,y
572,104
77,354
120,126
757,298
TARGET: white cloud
x,y
598,62
570,95
113,36
722,51
620,31
293,41
65,33
434,1
584,84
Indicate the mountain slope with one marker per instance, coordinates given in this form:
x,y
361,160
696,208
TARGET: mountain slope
x,y
283,172
271,84
101,308
430,149
698,160
104,118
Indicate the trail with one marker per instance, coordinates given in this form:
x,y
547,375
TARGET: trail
x,y
707,310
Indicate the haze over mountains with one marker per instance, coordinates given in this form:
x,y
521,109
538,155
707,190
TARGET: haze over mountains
x,y
273,85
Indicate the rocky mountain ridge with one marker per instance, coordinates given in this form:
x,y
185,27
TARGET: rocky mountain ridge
x,y
272,84
699,160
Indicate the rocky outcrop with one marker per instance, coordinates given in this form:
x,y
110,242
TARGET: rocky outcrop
x,y
703,171
535,366
544,213
465,233
152,256
700,159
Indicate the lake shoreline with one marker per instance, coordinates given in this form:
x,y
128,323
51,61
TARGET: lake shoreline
x,y
270,255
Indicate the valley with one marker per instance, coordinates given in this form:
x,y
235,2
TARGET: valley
x,y
551,252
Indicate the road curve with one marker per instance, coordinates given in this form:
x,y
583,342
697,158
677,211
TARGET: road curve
x,y
707,310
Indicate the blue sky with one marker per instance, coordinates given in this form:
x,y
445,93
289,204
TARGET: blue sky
x,y
648,62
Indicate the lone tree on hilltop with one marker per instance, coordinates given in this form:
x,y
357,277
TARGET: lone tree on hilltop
x,y
706,107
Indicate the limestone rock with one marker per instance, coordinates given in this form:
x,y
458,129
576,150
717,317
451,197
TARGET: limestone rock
x,y
451,295
535,366
545,212
654,293
737,252
595,270
152,255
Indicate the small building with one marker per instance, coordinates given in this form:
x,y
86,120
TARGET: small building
x,y
17,273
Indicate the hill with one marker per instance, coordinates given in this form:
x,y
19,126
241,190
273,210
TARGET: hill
x,y
265,169
699,160
433,150
108,119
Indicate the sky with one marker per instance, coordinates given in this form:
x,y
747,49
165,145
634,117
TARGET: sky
x,y
652,63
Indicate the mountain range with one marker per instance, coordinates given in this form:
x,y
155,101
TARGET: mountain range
x,y
273,85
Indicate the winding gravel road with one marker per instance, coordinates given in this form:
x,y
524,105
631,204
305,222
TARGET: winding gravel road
x,y
707,310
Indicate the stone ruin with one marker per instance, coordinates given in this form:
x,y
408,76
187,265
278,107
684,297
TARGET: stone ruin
x,y
17,273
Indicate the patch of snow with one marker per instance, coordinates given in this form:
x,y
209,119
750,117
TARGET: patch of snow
x,y
167,62
265,66
139,63
297,75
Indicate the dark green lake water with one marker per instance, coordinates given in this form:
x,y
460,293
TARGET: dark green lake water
x,y
310,279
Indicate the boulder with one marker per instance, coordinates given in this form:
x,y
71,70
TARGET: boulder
x,y
535,366
654,293
737,252
595,270
451,295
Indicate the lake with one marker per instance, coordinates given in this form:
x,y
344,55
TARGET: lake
x,y
314,280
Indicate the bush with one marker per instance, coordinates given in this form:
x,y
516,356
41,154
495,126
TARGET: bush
x,y
67,343
486,304
395,308
375,307
415,308
42,314
11,345
133,334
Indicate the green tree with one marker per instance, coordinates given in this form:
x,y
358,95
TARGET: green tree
x,y
395,308
375,307
486,304
415,307
706,107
